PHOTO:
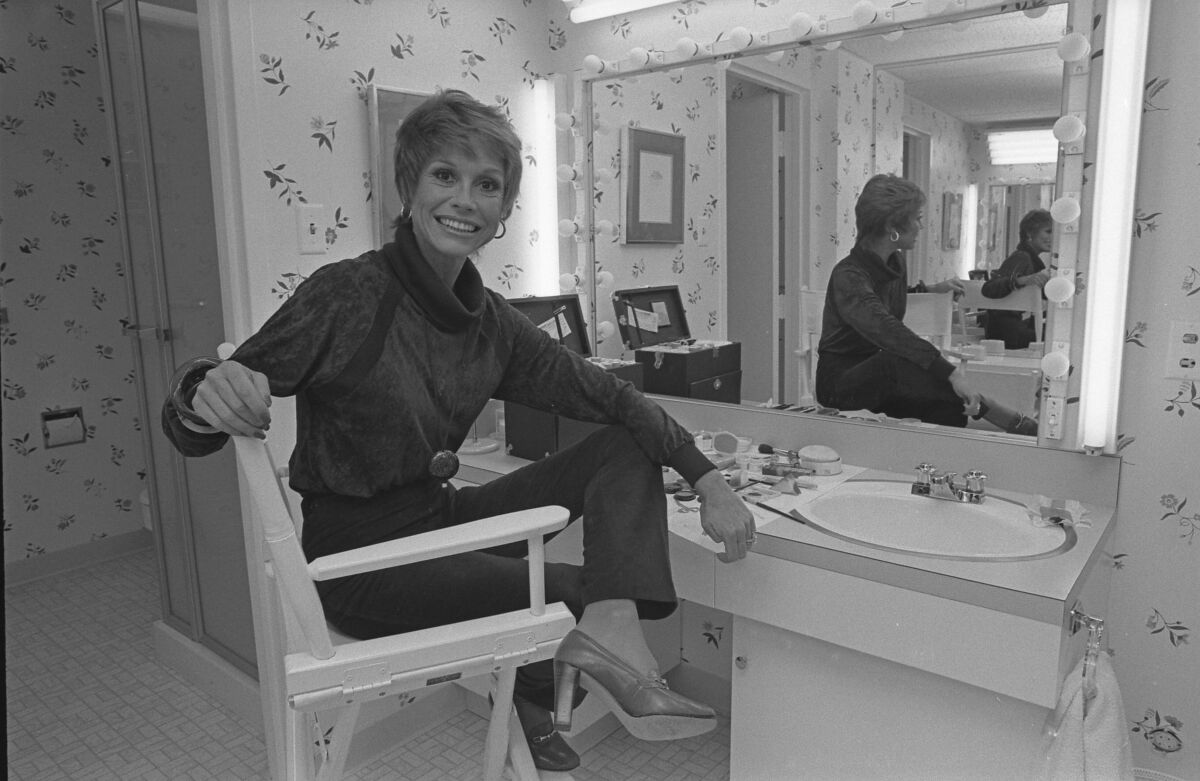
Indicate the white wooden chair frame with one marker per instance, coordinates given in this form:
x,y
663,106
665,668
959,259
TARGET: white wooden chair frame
x,y
1023,299
320,670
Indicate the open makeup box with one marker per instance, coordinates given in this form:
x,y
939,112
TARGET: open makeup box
x,y
654,326
533,433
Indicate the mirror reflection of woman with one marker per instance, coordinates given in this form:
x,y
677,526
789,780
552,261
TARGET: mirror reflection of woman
x,y
867,358
1023,268
392,356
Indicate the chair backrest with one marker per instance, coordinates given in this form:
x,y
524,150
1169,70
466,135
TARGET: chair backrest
x,y
1023,299
1027,299
274,526
930,316
812,313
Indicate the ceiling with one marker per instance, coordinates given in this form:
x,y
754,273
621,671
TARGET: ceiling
x,y
993,71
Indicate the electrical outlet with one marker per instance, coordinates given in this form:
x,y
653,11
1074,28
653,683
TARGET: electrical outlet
x,y
1183,351
310,228
1054,418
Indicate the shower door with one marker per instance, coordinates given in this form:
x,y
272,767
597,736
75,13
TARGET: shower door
x,y
154,93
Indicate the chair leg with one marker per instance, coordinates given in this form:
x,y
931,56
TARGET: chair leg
x,y
298,751
495,748
519,758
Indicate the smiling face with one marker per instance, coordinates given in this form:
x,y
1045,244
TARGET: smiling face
x,y
456,206
1042,239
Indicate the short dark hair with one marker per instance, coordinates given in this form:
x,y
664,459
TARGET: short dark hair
x,y
1033,222
453,119
887,202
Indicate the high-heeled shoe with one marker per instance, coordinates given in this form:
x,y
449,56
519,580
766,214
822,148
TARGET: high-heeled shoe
x,y
642,703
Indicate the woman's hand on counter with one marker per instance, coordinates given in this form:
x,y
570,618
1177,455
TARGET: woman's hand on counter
x,y
724,517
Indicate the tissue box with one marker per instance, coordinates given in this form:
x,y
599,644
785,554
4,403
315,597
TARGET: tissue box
x,y
654,326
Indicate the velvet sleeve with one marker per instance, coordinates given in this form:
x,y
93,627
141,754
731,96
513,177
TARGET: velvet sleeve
x,y
1004,281
861,308
545,375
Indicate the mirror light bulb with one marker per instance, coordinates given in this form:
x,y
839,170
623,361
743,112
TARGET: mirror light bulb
x,y
1056,364
1074,47
740,37
774,56
606,228
1065,209
606,329
564,121
605,175
1036,11
593,64
864,13
1069,129
567,173
686,47
567,228
567,283
894,35
1059,289
604,278
639,56
800,25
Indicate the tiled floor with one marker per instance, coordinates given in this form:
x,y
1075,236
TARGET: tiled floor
x,y
87,700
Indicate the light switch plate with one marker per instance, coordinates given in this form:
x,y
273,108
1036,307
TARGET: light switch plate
x,y
310,228
1183,351
1054,418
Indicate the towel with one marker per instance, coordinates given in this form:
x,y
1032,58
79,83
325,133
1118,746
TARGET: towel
x,y
1094,747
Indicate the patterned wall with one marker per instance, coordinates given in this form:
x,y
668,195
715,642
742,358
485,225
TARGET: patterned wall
x,y
309,67
62,284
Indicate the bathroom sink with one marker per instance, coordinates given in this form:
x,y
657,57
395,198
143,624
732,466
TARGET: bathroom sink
x,y
886,515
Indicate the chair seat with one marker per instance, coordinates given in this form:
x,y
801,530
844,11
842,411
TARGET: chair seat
x,y
366,669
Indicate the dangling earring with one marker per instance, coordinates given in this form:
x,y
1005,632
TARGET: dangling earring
x,y
503,230
895,235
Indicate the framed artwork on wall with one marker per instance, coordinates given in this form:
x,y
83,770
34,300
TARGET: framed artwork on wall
x,y
951,220
653,165
387,108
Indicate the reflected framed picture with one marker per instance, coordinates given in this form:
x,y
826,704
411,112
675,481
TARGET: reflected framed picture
x,y
951,220
653,164
387,108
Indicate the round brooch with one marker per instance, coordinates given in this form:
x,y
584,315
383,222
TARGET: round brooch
x,y
443,465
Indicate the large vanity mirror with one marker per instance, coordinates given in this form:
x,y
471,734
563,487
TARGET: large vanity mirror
x,y
777,145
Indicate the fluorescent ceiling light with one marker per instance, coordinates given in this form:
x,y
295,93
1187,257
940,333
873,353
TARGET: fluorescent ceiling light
x,y
587,10
1022,147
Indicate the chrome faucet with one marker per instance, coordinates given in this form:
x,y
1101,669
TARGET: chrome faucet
x,y
944,485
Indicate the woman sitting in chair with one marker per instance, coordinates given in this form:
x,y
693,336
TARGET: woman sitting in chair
x,y
1023,268
868,359
392,356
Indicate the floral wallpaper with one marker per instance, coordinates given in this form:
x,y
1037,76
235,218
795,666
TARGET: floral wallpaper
x,y
62,288
303,138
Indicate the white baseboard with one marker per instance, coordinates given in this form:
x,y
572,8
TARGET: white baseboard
x,y
21,571
208,672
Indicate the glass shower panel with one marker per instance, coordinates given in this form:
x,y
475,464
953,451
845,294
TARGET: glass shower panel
x,y
178,599
175,108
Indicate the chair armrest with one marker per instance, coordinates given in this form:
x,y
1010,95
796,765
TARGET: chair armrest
x,y
475,535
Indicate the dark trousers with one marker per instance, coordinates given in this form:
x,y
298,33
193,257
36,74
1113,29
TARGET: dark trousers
x,y
1014,328
888,384
606,480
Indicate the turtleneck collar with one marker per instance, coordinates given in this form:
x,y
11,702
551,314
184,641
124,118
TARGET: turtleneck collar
x,y
879,268
449,309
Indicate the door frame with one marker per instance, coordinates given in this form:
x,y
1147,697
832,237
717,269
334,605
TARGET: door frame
x,y
789,272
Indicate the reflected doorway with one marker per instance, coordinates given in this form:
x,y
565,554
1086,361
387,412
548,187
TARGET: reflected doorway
x,y
764,207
